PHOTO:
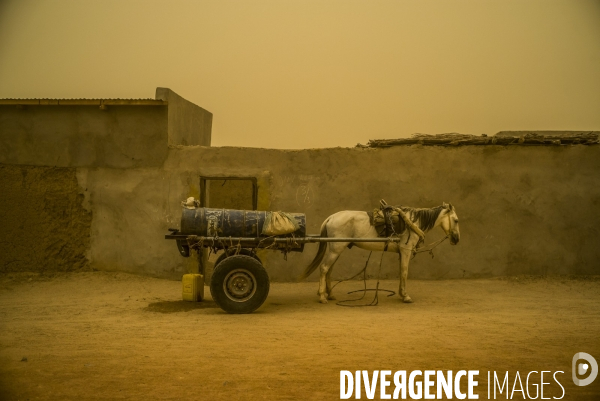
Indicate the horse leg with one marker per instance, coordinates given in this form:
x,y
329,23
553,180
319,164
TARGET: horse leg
x,y
328,284
326,267
404,259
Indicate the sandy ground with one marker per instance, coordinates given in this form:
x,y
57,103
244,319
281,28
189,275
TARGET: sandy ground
x,y
118,336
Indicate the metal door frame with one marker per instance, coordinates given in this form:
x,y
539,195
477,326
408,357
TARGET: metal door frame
x,y
203,180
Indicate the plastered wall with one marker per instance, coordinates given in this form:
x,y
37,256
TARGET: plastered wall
x,y
83,136
188,124
50,152
522,210
84,188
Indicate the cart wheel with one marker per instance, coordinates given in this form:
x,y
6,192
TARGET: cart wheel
x,y
231,252
239,284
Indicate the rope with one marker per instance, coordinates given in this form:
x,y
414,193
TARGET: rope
x,y
375,300
430,250
266,238
415,250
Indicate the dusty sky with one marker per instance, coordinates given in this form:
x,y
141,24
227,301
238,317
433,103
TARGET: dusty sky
x,y
299,74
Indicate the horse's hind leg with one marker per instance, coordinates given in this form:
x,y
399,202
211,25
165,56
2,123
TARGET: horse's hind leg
x,y
328,284
326,266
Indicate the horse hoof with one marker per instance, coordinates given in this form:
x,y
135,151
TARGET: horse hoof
x,y
331,297
323,300
407,300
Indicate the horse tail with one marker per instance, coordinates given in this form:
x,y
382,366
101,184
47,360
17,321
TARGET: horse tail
x,y
320,253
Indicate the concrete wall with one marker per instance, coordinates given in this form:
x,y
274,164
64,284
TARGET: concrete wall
x,y
82,187
83,136
117,136
188,123
523,210
49,148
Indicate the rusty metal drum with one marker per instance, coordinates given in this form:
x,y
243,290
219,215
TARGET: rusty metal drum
x,y
211,222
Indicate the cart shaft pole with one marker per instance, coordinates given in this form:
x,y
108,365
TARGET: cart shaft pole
x,y
269,240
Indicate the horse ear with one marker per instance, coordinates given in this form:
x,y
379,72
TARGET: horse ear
x,y
451,207
445,205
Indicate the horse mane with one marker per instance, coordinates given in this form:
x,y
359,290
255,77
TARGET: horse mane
x,y
424,218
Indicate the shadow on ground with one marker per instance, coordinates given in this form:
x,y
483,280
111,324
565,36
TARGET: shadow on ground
x,y
178,306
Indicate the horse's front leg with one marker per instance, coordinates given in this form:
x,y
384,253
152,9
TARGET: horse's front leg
x,y
404,259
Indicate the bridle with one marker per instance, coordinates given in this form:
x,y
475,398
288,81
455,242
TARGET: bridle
x,y
449,222
429,248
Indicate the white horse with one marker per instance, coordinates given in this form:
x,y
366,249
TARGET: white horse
x,y
355,224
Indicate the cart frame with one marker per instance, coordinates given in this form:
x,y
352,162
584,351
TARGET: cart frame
x,y
241,285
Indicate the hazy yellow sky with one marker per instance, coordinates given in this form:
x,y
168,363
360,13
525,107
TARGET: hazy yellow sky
x,y
299,74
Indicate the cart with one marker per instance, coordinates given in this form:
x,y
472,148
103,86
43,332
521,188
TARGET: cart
x,y
240,283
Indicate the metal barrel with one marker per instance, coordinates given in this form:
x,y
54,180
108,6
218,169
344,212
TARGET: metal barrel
x,y
211,222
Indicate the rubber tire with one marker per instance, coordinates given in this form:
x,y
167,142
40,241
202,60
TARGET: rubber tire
x,y
243,251
233,263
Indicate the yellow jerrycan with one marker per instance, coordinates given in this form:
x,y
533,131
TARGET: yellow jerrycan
x,y
193,287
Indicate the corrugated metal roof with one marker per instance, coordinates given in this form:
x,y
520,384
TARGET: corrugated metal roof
x,y
84,102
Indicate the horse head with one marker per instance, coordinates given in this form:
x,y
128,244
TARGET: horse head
x,y
449,223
